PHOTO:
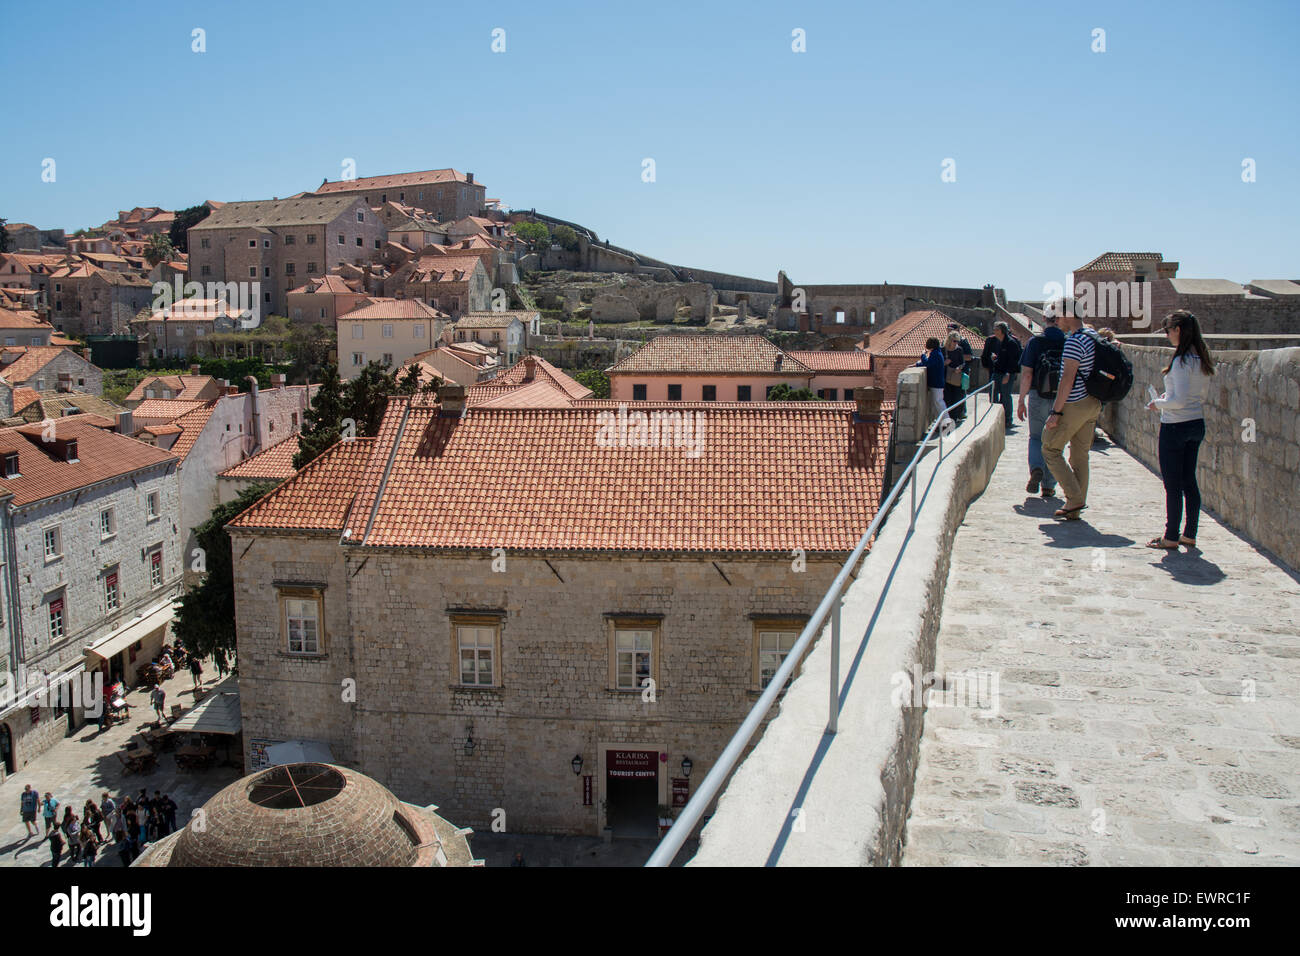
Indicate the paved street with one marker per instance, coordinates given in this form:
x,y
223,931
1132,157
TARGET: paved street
x,y
1147,700
84,766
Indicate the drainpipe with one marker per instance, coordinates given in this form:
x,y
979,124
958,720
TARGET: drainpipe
x,y
257,417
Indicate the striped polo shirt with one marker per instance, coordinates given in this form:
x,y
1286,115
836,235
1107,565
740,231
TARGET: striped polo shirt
x,y
1081,347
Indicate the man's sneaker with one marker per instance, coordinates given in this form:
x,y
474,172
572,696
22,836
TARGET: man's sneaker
x,y
1035,477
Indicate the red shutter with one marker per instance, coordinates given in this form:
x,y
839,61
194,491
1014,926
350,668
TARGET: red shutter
x,y
156,559
56,606
111,580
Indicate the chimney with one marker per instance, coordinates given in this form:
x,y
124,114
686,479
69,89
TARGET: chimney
x,y
530,368
776,362
869,400
125,424
452,400
194,370
277,380
866,340
469,178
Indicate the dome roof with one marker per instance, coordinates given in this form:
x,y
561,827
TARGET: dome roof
x,y
305,814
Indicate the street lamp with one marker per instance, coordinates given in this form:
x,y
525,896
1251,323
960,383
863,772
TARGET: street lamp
x,y
576,764
686,766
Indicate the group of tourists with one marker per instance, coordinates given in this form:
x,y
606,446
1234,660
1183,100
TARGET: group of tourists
x,y
947,367
1066,374
128,824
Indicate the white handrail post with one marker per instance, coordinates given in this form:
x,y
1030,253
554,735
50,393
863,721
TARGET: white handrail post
x,y
911,525
832,725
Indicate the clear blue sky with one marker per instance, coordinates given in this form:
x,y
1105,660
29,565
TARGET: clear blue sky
x,y
825,163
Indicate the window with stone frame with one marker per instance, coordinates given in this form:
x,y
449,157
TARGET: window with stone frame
x,y
107,523
58,623
112,595
476,649
634,644
53,543
156,567
301,614
773,639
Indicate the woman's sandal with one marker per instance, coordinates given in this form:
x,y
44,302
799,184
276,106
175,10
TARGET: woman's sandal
x,y
1162,544
1187,542
1068,514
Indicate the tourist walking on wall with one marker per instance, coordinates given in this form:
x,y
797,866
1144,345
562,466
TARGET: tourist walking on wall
x,y
1006,365
1040,373
933,362
1182,428
27,805
1073,418
955,365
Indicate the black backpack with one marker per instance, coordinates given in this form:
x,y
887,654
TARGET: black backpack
x,y
1112,373
1047,370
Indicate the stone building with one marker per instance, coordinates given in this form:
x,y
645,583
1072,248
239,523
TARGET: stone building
x,y
280,243
185,328
18,328
461,363
186,388
50,368
443,193
389,331
508,332
312,815
545,613
90,300
454,284
274,464
91,566
323,300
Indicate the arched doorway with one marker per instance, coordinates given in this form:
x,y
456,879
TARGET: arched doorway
x,y
7,750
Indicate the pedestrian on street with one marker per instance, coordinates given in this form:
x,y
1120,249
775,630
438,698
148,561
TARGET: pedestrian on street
x,y
50,811
133,830
1073,419
1040,374
72,830
1182,427
219,658
56,846
28,802
89,847
196,671
91,818
169,809
112,816
158,697
123,847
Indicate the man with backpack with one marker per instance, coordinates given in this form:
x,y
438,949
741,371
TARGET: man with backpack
x,y
1093,371
1040,371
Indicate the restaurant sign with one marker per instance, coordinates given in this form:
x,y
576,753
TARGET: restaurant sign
x,y
681,791
625,764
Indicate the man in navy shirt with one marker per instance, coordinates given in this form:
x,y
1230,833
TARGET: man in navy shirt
x,y
935,365
1038,407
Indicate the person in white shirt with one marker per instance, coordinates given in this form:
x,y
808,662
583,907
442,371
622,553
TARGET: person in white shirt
x,y
1182,427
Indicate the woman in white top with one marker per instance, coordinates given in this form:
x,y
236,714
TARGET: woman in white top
x,y
1182,427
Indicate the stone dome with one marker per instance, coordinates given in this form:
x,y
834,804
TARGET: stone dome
x,y
305,814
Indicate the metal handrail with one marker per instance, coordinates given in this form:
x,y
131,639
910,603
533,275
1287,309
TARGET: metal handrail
x,y
830,604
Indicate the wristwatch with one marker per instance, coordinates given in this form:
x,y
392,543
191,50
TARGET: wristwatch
x,y
1054,412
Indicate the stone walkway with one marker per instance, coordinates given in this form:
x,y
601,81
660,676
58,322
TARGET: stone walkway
x,y
1147,701
84,765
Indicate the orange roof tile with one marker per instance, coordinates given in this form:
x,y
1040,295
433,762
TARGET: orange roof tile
x,y
165,409
192,425
384,308
427,177
519,374
185,387
22,319
718,354
32,360
23,397
319,497
833,361
906,335
274,462
103,454
770,477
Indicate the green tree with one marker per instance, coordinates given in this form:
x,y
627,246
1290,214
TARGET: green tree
x,y
185,218
535,234
158,249
566,237
323,422
594,379
4,235
784,393
205,620
308,348
366,397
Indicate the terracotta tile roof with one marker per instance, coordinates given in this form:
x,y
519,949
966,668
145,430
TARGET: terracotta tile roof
x,y
906,335
306,211
329,284
196,310
384,308
496,320
426,178
719,354
833,361
23,397
770,477
33,359
535,367
183,387
443,268
103,454
22,319
1120,261
275,462
166,409
192,425
156,430
319,497
537,394
52,403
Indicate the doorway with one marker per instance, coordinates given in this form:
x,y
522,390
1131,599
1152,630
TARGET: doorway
x,y
6,750
632,792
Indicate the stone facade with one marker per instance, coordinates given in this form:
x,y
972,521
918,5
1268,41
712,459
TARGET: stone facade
x,y
851,310
67,371
1251,452
387,624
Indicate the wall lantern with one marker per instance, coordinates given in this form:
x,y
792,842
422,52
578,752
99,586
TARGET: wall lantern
x,y
469,740
686,766
576,764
